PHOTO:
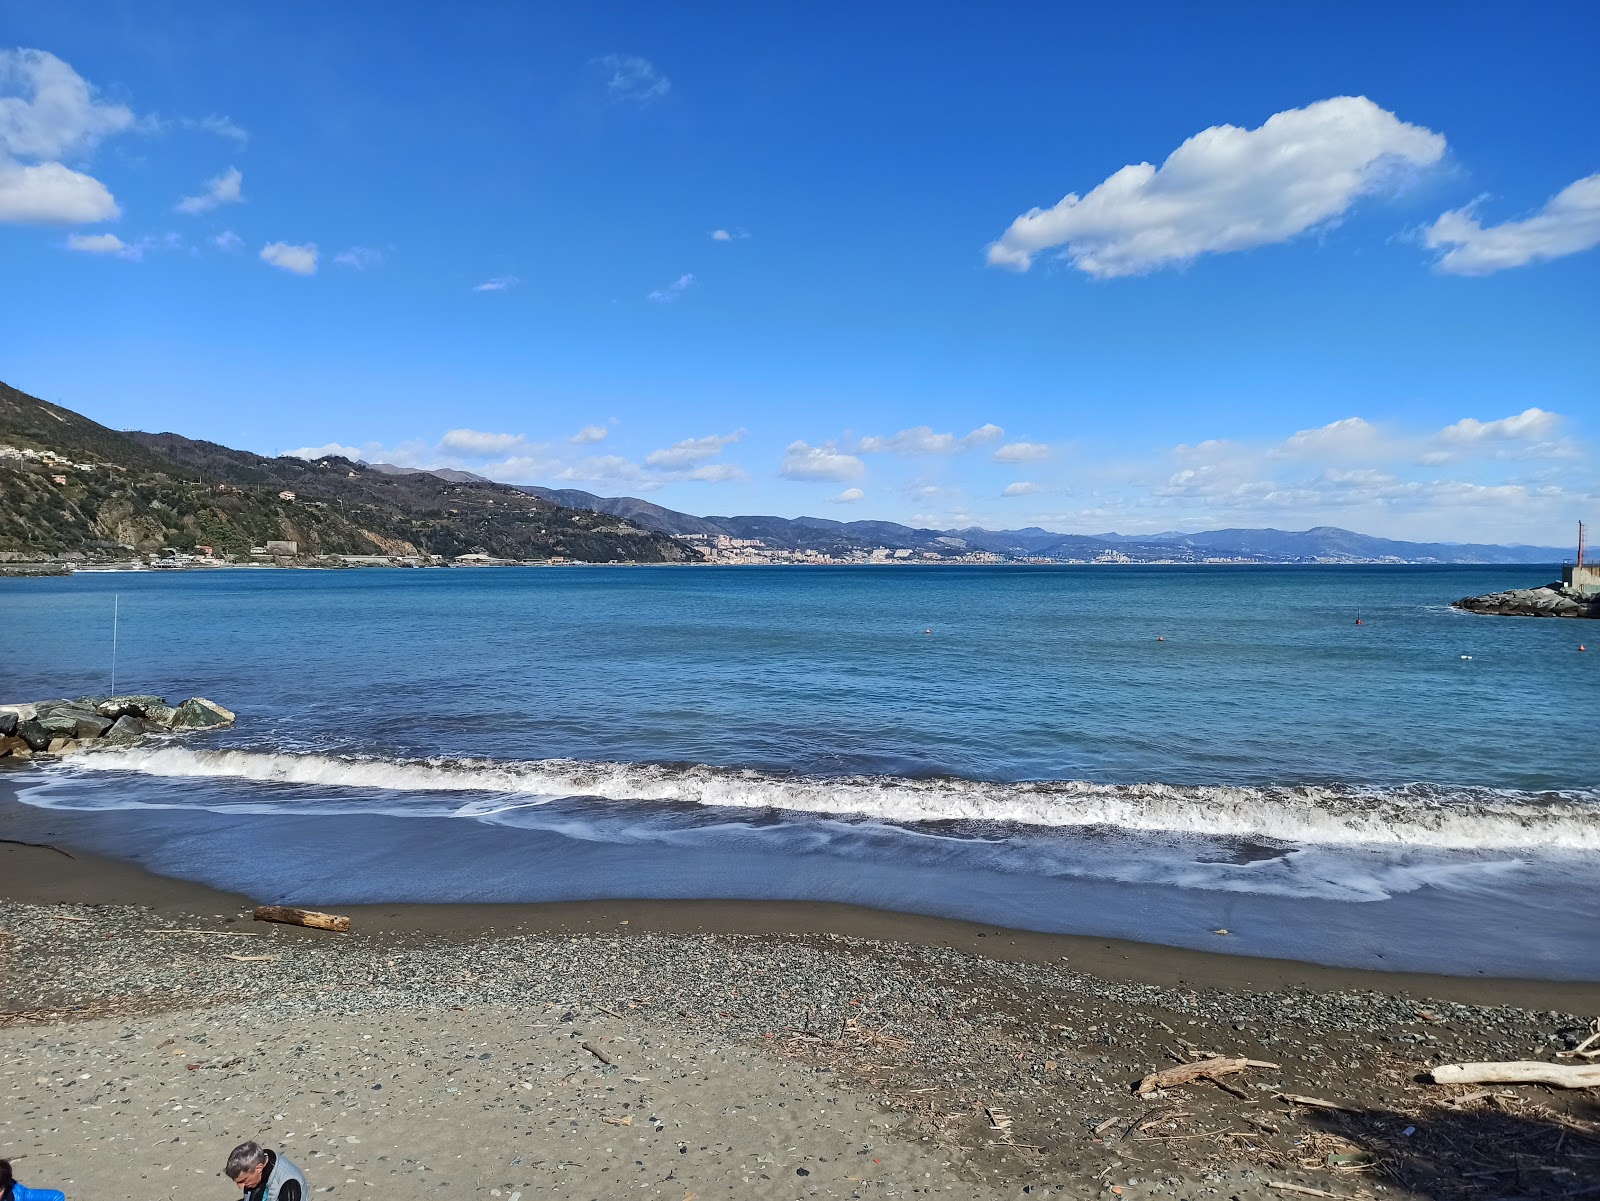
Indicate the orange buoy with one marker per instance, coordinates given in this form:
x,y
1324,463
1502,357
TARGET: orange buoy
x,y
1159,638
1581,647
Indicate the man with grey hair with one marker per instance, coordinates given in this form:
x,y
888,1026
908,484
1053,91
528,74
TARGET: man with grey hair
x,y
265,1175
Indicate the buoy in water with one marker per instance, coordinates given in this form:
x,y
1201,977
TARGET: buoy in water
x,y
1581,647
927,631
1466,657
1159,638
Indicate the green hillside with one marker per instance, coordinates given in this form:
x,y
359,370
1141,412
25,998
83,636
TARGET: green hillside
x,y
138,493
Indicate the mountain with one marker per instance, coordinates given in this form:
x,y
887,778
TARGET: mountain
x,y
444,473
137,492
1318,545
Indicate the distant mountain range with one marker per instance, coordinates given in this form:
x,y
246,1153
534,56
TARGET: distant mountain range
x,y
1319,545
137,492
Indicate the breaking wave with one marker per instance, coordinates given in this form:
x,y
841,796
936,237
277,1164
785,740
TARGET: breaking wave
x,y
1417,815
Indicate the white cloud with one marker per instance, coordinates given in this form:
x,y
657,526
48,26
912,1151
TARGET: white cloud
x,y
848,497
501,283
301,260
226,188
1568,223
1021,452
1530,424
1349,436
1226,189
359,258
221,126
717,473
50,194
590,433
804,462
729,235
673,290
48,112
227,240
632,80
104,244
922,440
1021,488
691,451
476,442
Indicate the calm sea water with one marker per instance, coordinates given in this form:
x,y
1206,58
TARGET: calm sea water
x,y
1147,752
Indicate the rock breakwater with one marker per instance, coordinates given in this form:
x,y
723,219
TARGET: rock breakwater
x,y
1552,600
63,727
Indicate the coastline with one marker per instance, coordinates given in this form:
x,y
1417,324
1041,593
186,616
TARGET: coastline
x,y
44,875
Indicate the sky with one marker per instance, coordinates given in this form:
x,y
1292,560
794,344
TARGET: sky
x,y
1135,268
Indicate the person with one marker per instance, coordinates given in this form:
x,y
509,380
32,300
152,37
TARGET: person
x,y
264,1175
10,1190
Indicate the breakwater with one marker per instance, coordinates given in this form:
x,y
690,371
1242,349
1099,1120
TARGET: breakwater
x,y
63,727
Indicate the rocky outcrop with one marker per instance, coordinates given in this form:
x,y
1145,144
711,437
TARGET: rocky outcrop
x,y
62,727
1553,600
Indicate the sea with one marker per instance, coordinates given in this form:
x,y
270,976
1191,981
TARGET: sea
x,y
1327,762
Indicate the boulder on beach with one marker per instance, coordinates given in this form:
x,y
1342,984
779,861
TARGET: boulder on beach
x,y
136,705
129,728
35,735
8,724
197,713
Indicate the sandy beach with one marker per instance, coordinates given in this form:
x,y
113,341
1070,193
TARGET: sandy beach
x,y
695,1050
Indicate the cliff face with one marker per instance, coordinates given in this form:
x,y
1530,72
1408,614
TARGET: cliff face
x,y
1552,600
71,487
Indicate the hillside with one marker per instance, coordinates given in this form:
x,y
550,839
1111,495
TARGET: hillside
x,y
137,493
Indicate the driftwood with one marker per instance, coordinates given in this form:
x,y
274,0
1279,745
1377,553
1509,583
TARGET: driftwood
x,y
1201,1069
302,917
1285,1186
1316,1102
596,1052
1527,1071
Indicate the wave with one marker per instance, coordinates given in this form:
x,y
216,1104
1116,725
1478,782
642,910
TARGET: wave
x,y
1416,815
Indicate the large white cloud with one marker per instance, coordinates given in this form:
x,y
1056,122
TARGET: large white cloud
x,y
48,112
1226,189
802,461
1568,224
1531,424
226,188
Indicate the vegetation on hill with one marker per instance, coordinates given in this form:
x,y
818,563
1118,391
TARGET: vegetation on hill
x,y
136,492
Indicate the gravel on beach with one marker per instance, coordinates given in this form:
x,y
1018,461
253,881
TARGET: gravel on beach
x,y
739,1065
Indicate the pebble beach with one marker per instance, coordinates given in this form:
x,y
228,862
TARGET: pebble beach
x,y
626,1049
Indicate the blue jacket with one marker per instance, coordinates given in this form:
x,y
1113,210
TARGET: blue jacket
x,y
20,1192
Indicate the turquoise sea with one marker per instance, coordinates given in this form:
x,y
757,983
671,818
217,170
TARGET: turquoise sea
x,y
1147,752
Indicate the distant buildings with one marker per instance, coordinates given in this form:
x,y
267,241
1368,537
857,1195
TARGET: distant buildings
x,y
286,494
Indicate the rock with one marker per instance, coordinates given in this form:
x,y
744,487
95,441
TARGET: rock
x,y
130,729
1553,600
16,748
35,735
72,722
197,713
137,705
56,745
8,724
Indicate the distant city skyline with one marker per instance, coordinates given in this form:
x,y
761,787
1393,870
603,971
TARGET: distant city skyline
x,y
1162,268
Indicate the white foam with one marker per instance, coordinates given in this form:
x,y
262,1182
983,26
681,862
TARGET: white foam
x,y
1414,816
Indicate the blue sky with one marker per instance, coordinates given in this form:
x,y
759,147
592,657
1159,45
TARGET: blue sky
x,y
1317,264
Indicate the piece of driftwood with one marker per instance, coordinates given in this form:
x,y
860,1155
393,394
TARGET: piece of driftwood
x,y
1316,1102
1285,1186
596,1052
302,917
1200,1069
1526,1071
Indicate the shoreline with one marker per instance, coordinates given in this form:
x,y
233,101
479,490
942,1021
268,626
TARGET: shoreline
x,y
45,875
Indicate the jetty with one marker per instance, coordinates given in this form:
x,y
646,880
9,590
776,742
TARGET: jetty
x,y
1576,594
64,727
